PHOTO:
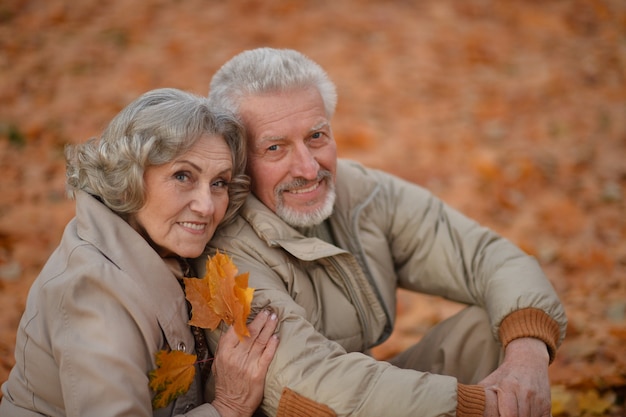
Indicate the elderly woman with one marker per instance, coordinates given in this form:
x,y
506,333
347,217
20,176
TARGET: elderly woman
x,y
150,193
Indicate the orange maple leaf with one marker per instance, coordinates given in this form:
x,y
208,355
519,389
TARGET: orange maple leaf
x,y
172,377
221,295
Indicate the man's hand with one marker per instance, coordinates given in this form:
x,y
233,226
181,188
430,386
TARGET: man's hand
x,y
520,386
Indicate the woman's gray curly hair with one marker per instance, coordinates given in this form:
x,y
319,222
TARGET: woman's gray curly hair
x,y
154,129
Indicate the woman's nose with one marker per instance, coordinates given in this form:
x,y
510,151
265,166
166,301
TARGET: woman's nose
x,y
202,202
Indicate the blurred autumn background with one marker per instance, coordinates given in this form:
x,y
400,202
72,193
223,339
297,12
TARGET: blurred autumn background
x,y
512,111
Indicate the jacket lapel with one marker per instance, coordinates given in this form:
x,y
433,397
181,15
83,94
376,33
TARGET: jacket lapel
x,y
113,236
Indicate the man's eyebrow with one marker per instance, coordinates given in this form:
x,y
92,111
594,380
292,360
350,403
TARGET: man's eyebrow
x,y
324,124
320,125
271,138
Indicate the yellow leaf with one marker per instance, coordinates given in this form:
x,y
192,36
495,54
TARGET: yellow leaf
x,y
591,402
172,377
243,294
221,295
563,402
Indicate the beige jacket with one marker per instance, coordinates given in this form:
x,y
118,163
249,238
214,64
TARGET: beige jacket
x,y
336,302
104,303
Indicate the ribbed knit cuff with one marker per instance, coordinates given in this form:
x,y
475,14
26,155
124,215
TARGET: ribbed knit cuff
x,y
530,322
470,401
293,404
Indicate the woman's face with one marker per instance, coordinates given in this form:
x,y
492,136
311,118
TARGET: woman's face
x,y
186,199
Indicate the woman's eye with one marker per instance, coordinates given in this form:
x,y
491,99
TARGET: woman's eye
x,y
221,184
181,176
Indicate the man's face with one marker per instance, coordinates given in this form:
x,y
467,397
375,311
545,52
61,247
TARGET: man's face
x,y
292,155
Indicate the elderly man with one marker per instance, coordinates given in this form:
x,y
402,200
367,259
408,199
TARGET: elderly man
x,y
327,243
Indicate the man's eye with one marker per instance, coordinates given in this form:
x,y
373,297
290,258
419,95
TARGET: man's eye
x,y
273,148
316,135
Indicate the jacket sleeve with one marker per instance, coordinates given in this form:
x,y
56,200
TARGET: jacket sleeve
x,y
319,374
437,250
96,343
103,342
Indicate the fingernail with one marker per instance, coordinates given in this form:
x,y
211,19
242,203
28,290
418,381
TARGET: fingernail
x,y
273,316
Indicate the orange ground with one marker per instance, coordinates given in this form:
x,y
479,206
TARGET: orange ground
x,y
513,111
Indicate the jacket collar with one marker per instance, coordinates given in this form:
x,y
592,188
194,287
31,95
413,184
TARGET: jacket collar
x,y
276,233
350,201
130,252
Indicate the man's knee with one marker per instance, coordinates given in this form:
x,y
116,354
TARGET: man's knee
x,y
461,346
472,351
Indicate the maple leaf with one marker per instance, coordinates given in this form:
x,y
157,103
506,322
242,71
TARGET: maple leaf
x,y
221,295
172,377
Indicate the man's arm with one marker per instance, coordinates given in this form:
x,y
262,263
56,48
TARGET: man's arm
x,y
310,370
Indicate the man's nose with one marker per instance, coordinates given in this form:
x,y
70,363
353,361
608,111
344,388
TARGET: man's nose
x,y
304,164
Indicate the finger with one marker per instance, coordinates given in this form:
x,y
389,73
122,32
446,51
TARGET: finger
x,y
268,354
260,344
491,403
507,404
536,406
258,323
269,327
523,407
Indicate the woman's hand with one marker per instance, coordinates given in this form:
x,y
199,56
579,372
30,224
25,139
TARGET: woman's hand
x,y
239,368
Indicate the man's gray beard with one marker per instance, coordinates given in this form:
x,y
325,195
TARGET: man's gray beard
x,y
298,219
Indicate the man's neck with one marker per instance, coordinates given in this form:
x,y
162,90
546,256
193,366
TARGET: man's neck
x,y
321,231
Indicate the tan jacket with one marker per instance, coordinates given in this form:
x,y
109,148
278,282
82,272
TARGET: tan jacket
x,y
104,303
337,302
